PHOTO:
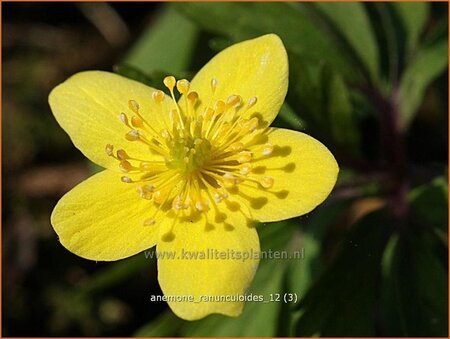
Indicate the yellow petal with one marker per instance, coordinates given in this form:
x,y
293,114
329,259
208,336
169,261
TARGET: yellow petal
x,y
253,68
88,106
103,219
303,170
221,275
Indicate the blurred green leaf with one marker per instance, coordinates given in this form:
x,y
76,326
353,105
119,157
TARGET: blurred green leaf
x,y
295,23
323,101
166,325
428,64
288,118
342,301
415,286
167,45
415,276
116,273
357,32
430,204
413,17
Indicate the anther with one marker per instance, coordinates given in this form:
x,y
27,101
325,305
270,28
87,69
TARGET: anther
x,y
169,82
123,118
133,105
132,135
125,166
214,84
109,149
237,146
253,124
245,168
122,155
145,166
267,150
208,113
201,206
183,86
193,97
145,192
251,102
126,180
158,197
244,156
158,96
149,222
234,101
266,182
219,107
136,121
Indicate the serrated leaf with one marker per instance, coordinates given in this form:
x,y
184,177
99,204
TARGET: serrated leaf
x,y
429,63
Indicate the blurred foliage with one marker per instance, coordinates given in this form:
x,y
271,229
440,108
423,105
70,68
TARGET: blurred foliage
x,y
367,79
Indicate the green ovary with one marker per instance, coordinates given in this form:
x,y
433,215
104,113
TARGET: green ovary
x,y
188,154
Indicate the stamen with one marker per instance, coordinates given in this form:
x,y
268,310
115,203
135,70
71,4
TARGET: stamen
x,y
132,135
122,155
125,166
109,149
266,182
149,222
193,97
244,156
214,84
202,153
234,101
134,106
267,150
183,86
158,96
251,102
137,121
124,119
126,180
169,82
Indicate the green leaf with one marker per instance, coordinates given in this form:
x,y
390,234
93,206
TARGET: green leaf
x,y
166,325
287,118
293,22
114,274
415,275
342,301
350,19
430,204
415,286
428,64
413,17
167,45
323,101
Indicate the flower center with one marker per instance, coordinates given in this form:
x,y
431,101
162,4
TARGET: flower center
x,y
188,154
203,153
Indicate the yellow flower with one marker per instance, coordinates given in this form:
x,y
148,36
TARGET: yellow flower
x,y
191,176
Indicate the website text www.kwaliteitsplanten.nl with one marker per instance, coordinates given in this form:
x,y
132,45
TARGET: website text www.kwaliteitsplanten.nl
x,y
229,254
